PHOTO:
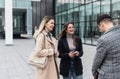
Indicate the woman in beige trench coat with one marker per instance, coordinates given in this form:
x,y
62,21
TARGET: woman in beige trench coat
x,y
45,46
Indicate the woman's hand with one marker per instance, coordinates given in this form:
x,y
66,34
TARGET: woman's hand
x,y
76,53
71,55
57,53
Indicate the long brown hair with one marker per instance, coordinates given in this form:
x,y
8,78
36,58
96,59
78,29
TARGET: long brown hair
x,y
63,32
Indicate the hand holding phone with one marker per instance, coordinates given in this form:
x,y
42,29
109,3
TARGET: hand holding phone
x,y
76,53
71,55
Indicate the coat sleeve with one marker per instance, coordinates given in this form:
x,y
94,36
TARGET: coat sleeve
x,y
80,48
40,49
99,56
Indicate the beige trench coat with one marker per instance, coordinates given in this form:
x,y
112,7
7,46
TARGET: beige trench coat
x,y
51,70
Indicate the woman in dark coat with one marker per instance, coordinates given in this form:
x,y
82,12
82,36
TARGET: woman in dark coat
x,y
70,51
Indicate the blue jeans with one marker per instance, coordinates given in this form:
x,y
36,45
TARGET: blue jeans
x,y
72,74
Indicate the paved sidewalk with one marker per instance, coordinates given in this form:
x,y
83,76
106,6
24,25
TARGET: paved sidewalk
x,y
13,59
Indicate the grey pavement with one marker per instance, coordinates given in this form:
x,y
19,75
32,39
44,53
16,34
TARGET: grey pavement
x,y
13,59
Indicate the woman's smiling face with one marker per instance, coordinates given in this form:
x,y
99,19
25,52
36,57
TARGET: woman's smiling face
x,y
70,29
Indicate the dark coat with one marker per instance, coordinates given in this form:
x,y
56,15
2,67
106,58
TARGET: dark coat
x,y
65,62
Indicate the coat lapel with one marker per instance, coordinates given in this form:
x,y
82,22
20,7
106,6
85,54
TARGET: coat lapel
x,y
66,44
53,41
49,40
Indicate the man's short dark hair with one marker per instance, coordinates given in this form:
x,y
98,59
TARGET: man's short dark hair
x,y
102,17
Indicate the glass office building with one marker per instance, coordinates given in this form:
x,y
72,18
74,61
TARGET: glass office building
x,y
22,20
84,13
26,14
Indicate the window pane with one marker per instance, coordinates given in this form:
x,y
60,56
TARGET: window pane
x,y
116,11
65,6
20,4
59,16
71,3
58,5
76,28
81,1
88,12
88,30
95,33
76,14
2,3
76,3
82,13
88,1
70,15
105,6
96,10
57,30
81,30
56,19
64,17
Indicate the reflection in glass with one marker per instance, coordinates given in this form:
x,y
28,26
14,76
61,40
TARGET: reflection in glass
x,y
81,30
76,14
56,19
20,3
60,19
116,11
81,1
64,17
88,1
96,10
76,28
82,13
70,15
105,6
76,3
71,3
88,12
2,3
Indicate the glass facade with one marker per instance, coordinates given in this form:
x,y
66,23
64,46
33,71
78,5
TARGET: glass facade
x,y
2,3
22,16
84,13
20,3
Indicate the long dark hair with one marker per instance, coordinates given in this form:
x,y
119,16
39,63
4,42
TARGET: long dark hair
x,y
63,32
